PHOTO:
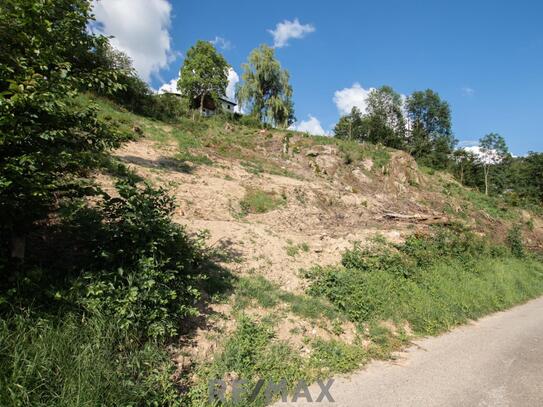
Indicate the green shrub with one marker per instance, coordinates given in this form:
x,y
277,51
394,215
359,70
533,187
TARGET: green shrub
x,y
143,269
514,241
249,121
336,357
452,276
250,353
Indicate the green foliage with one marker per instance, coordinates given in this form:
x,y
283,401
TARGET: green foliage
x,y
46,140
269,295
142,268
386,124
354,151
433,283
491,205
382,123
526,177
70,360
351,126
494,151
467,168
265,89
204,74
336,356
250,353
258,201
514,240
196,159
430,140
294,249
134,93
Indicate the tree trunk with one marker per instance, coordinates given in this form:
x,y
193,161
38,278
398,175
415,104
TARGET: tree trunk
x,y
486,178
202,104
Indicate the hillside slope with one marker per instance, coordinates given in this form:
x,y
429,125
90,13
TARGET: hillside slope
x,y
274,202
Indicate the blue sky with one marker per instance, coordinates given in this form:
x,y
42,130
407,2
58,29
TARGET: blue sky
x,y
484,57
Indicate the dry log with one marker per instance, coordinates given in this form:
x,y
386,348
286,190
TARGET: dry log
x,y
427,219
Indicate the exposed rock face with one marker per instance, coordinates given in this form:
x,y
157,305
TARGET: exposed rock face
x,y
324,159
401,172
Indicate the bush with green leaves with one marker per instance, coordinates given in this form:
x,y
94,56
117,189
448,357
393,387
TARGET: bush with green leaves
x,y
143,268
433,282
419,251
46,140
514,241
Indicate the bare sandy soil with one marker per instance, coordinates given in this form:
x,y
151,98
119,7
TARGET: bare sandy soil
x,y
329,206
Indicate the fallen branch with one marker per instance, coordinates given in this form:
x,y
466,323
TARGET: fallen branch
x,y
427,219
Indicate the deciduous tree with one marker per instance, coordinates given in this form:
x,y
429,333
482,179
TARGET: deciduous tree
x,y
386,123
46,139
265,89
430,136
204,74
351,126
493,151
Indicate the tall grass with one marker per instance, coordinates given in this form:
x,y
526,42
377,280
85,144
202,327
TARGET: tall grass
x,y
78,361
433,283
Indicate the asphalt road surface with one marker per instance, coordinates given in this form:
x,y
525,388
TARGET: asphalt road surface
x,y
496,361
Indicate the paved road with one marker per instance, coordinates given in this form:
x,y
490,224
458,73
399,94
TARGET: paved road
x,y
496,361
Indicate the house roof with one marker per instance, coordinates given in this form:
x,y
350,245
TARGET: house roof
x,y
224,99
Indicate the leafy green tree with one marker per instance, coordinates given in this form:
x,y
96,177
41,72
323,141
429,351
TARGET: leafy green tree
x,y
430,137
386,123
532,176
265,89
465,164
204,74
351,126
493,151
46,139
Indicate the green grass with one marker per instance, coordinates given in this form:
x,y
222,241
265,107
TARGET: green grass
x,y
259,201
72,360
268,295
252,352
495,207
434,285
352,151
199,159
294,249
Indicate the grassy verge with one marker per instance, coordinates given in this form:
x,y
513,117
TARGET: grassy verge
x,y
253,352
425,286
70,360
443,296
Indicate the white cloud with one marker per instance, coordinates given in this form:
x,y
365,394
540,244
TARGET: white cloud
x,y
140,29
286,30
169,87
233,79
312,126
222,43
468,143
467,91
486,157
346,99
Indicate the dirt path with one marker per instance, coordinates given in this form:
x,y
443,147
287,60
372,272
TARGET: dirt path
x,y
496,361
